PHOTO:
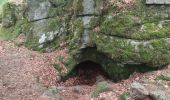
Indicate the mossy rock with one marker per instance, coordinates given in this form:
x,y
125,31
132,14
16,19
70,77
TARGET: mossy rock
x,y
78,6
100,88
163,77
46,33
125,96
153,52
8,15
12,32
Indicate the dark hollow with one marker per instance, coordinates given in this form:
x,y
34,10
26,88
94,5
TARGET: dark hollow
x,y
88,71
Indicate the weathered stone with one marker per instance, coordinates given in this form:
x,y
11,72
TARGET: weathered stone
x,y
52,92
8,15
38,9
158,95
47,30
125,96
138,91
157,1
88,7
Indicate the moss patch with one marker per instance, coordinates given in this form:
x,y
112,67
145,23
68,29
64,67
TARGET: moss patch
x,y
100,88
12,32
139,21
125,96
8,15
166,78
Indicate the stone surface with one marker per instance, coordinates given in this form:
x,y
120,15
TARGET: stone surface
x,y
8,15
38,9
138,91
52,92
157,1
158,95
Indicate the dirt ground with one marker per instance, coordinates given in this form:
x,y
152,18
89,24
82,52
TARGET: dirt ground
x,y
22,69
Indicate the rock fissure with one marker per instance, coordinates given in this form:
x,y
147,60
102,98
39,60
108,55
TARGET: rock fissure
x,y
41,19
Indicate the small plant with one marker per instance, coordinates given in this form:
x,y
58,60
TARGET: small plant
x,y
162,77
100,88
125,96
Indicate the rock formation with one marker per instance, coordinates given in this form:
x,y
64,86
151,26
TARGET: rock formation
x,y
112,33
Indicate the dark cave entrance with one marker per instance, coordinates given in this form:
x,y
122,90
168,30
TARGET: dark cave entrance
x,y
86,73
89,72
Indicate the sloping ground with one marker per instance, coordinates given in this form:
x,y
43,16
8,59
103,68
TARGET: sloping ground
x,y
22,71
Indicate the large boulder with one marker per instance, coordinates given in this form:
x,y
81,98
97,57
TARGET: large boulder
x,y
47,23
126,33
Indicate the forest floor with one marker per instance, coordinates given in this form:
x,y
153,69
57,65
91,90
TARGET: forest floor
x,y
28,75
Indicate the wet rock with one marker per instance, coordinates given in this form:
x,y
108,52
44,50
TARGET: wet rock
x,y
138,91
158,95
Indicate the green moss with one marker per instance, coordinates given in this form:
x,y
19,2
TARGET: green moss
x,y
125,96
2,2
60,8
152,52
95,21
125,26
100,88
98,5
76,31
8,15
117,25
31,42
55,30
12,32
59,2
78,7
70,65
166,78
117,72
140,21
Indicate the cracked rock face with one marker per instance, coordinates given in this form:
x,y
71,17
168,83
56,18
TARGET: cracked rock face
x,y
101,31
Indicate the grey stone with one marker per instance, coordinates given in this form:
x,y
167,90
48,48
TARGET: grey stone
x,y
99,78
39,87
51,92
61,88
158,95
77,89
47,30
38,9
88,7
138,91
157,1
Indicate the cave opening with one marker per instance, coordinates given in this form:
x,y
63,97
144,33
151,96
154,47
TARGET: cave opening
x,y
89,73
86,73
